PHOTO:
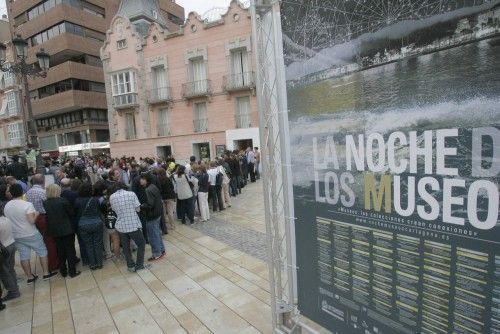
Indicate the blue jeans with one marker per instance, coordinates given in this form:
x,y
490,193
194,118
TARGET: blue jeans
x,y
154,236
92,238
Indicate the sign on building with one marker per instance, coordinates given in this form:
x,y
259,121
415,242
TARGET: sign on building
x,y
394,110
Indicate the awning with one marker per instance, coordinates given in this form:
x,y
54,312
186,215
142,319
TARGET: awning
x,y
81,147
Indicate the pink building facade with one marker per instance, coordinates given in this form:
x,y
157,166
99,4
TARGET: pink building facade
x,y
181,93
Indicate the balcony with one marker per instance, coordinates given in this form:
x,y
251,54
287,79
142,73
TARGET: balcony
x,y
159,95
68,101
16,142
130,134
125,101
8,81
200,125
195,89
243,121
239,81
163,130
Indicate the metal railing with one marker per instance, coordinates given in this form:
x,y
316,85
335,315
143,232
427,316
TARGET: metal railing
x,y
163,130
130,134
8,82
201,125
197,88
125,100
14,142
239,81
160,94
243,121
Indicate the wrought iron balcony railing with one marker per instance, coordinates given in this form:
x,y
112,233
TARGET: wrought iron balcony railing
x,y
160,94
243,121
201,125
163,130
196,89
239,81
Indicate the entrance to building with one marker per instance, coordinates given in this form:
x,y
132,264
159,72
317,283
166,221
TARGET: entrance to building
x,y
201,151
243,144
164,151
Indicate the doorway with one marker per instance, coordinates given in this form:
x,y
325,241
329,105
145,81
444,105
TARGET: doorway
x,y
201,151
164,151
243,144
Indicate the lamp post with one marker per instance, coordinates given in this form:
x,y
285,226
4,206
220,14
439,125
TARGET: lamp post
x,y
20,67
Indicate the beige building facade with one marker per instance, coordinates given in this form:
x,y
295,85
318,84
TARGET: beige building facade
x,y
12,128
183,92
69,104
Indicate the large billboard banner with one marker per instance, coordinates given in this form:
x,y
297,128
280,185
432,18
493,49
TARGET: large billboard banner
x,y
394,115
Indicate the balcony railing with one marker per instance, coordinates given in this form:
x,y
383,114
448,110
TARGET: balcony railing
x,y
160,94
243,121
163,130
201,125
125,100
239,81
8,82
130,134
14,142
196,89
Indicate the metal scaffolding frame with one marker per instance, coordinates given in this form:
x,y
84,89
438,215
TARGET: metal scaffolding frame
x,y
276,164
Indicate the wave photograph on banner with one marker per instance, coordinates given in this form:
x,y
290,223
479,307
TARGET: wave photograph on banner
x,y
394,118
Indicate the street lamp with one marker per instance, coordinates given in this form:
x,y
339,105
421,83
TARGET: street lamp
x,y
20,67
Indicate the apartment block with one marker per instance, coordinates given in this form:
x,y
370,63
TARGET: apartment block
x,y
12,127
69,104
183,92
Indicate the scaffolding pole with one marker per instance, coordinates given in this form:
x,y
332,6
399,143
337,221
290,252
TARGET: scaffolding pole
x,y
276,164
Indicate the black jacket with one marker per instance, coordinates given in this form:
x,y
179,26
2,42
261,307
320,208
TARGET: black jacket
x,y
59,217
18,170
203,183
153,208
234,166
167,188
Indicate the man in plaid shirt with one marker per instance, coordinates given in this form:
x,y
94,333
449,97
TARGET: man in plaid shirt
x,y
126,206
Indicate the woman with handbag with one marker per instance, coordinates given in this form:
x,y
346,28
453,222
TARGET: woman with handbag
x,y
90,224
59,226
185,194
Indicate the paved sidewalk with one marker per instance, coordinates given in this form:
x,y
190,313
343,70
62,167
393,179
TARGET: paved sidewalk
x,y
213,280
203,286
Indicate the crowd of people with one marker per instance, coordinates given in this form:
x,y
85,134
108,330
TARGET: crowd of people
x,y
91,209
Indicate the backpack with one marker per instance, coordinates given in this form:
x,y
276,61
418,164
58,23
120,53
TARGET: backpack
x,y
110,218
219,179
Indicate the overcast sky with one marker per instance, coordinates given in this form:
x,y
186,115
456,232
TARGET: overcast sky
x,y
199,6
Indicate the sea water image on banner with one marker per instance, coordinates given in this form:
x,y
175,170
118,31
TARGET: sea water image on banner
x,y
394,115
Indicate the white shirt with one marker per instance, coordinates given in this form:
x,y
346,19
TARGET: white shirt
x,y
17,211
212,175
6,237
124,204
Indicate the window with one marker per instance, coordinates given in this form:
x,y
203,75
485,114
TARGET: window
x,y
64,27
121,44
8,77
243,112
159,83
239,68
198,76
162,123
130,126
16,134
123,83
200,117
45,6
12,103
155,14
